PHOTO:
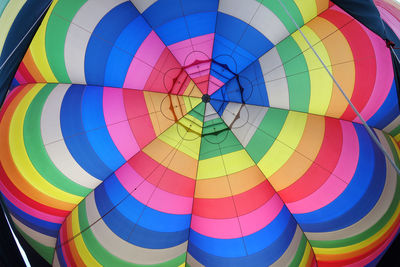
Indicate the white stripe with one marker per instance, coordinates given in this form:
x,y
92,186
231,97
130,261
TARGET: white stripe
x,y
266,22
142,5
45,240
123,249
79,33
54,142
275,79
290,252
393,125
245,131
210,113
241,9
258,16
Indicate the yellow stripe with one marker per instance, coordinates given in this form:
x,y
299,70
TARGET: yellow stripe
x,y
210,168
21,159
232,162
189,140
191,102
38,49
308,9
282,149
84,253
306,255
7,19
321,82
237,161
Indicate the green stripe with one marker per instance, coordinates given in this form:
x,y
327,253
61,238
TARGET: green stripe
x,y
37,152
395,131
3,4
56,34
277,9
198,112
300,252
376,227
217,139
46,252
267,132
297,74
102,255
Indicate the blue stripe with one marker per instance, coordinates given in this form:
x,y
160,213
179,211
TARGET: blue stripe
x,y
41,226
264,247
156,15
358,198
122,53
103,38
388,111
218,105
60,255
183,28
137,223
74,134
100,139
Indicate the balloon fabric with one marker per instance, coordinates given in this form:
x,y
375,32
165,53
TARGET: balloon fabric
x,y
203,133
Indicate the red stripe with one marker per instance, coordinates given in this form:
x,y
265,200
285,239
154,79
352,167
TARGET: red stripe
x,y
364,60
322,167
26,200
138,116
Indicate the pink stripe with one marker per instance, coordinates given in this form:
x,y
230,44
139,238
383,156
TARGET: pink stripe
x,y
33,212
249,223
170,203
190,50
199,70
63,248
384,76
144,61
128,177
261,217
390,19
214,85
117,124
223,228
20,78
160,200
339,179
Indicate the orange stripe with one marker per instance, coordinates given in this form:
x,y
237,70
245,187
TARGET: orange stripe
x,y
307,150
311,258
339,51
12,171
32,68
74,251
322,5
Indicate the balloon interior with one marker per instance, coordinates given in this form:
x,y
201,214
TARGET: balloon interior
x,y
203,133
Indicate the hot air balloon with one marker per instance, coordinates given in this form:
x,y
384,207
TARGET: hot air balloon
x,y
204,133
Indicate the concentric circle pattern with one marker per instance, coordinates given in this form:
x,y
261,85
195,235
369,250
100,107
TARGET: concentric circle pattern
x,y
201,133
